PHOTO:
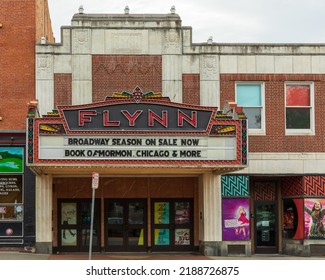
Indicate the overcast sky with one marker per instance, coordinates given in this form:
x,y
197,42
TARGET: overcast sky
x,y
227,21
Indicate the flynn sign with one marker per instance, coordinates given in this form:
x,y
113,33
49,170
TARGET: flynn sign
x,y
139,128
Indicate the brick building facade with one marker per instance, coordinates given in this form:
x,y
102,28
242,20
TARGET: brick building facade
x,y
264,207
221,206
22,24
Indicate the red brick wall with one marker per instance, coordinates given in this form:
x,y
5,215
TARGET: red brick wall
x,y
44,25
17,61
117,73
62,89
191,89
275,139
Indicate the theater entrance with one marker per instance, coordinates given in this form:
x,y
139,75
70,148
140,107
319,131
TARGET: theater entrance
x,y
132,214
172,224
125,225
74,225
265,220
265,225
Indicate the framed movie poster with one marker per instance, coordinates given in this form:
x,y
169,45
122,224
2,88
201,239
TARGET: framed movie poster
x,y
161,214
162,236
182,236
235,219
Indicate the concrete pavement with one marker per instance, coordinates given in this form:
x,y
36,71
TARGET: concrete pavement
x,y
19,255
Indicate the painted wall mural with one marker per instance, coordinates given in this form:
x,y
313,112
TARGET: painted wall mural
x,y
11,160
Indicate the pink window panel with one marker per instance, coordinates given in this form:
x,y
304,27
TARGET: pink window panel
x,y
298,95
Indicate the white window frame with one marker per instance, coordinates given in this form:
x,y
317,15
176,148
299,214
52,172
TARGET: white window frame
x,y
311,130
262,130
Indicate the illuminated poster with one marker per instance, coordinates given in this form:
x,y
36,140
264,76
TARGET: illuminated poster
x,y
68,213
314,218
162,236
161,217
69,237
11,160
182,213
235,219
182,236
288,218
68,217
161,213
293,218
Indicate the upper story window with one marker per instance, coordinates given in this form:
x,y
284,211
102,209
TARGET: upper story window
x,y
299,100
250,96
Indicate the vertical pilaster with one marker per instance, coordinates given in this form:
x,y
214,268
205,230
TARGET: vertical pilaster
x,y
81,67
172,65
45,83
172,77
44,214
209,84
210,209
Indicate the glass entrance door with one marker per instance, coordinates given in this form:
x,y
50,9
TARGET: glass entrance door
x,y
126,224
265,228
74,225
172,224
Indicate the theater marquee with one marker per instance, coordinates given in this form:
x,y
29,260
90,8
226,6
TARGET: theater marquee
x,y
138,129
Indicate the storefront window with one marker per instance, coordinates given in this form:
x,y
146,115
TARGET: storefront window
x,y
11,198
135,237
136,213
11,212
11,192
115,213
292,217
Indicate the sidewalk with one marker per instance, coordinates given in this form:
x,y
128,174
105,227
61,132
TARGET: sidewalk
x,y
16,255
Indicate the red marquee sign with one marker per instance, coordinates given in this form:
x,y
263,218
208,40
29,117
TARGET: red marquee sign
x,y
139,128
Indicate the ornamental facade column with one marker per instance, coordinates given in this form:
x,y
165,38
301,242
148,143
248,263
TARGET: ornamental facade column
x,y
210,214
44,214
